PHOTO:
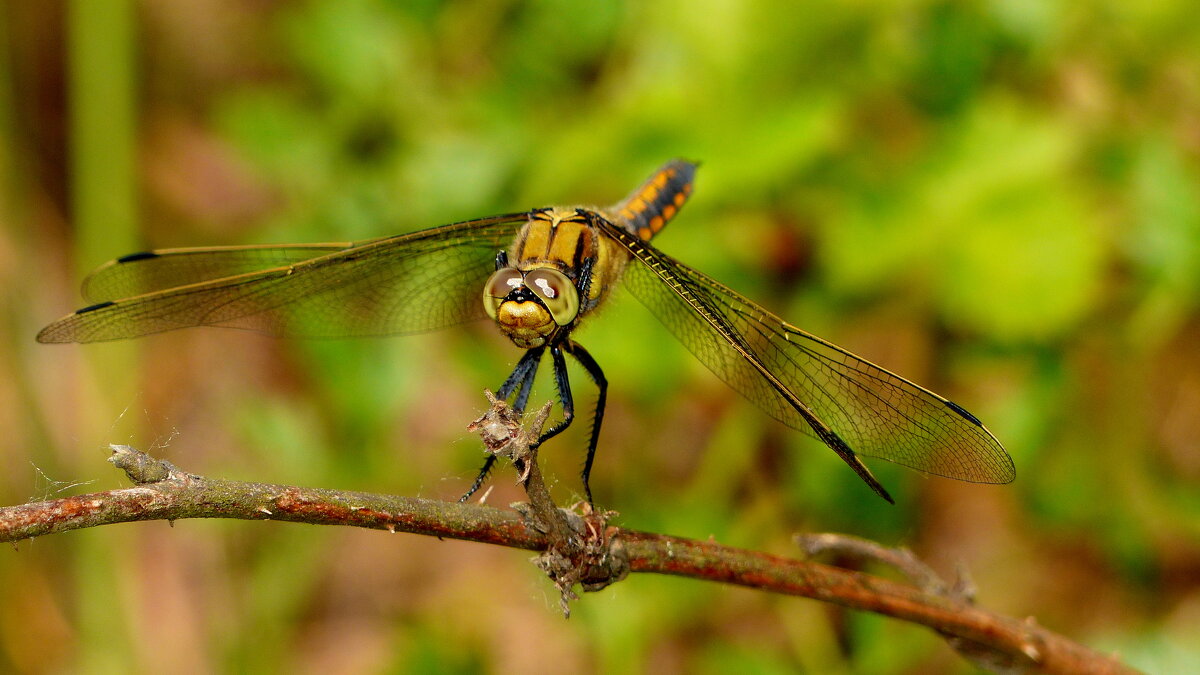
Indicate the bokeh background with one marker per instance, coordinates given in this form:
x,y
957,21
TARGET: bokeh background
x,y
999,200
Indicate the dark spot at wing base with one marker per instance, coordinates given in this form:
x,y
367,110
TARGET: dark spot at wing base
x,y
134,257
92,308
965,415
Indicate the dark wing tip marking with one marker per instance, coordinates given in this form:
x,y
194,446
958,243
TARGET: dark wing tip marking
x,y
1002,465
134,257
963,413
92,308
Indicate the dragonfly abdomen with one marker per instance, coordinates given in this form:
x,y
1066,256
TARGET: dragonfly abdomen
x,y
649,208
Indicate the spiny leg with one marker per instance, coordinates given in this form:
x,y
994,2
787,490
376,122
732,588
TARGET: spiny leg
x,y
521,379
483,472
585,282
563,385
522,376
593,370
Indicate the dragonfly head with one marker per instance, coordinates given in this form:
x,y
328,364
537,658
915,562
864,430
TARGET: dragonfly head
x,y
531,305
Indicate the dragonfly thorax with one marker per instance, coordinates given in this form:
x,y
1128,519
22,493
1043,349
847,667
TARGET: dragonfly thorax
x,y
530,306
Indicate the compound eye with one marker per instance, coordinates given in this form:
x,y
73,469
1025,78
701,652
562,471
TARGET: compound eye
x,y
498,287
557,292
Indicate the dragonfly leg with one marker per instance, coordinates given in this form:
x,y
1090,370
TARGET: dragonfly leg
x,y
564,394
483,472
593,370
584,285
563,385
521,380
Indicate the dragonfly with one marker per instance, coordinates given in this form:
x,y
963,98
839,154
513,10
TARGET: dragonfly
x,y
538,275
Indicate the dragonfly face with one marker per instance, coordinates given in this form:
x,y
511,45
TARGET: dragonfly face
x,y
532,305
541,272
538,298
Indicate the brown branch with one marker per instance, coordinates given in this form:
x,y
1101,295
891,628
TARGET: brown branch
x,y
593,553
997,642
164,492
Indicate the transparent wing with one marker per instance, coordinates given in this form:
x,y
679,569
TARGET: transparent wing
x,y
404,284
151,271
808,383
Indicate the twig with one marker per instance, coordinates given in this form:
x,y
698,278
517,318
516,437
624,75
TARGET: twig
x,y
579,550
164,492
901,559
503,435
1012,645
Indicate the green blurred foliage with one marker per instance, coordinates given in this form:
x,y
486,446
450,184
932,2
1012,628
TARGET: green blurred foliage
x,y
999,200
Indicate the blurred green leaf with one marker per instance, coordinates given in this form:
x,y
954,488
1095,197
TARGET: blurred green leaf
x,y
1164,240
987,224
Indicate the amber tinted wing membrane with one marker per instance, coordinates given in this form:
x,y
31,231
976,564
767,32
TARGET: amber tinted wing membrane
x,y
150,271
786,371
404,284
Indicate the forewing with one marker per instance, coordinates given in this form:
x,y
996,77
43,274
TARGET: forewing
x,y
151,271
404,284
786,371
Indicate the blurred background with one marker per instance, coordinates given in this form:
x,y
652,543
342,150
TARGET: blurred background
x,y
999,200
